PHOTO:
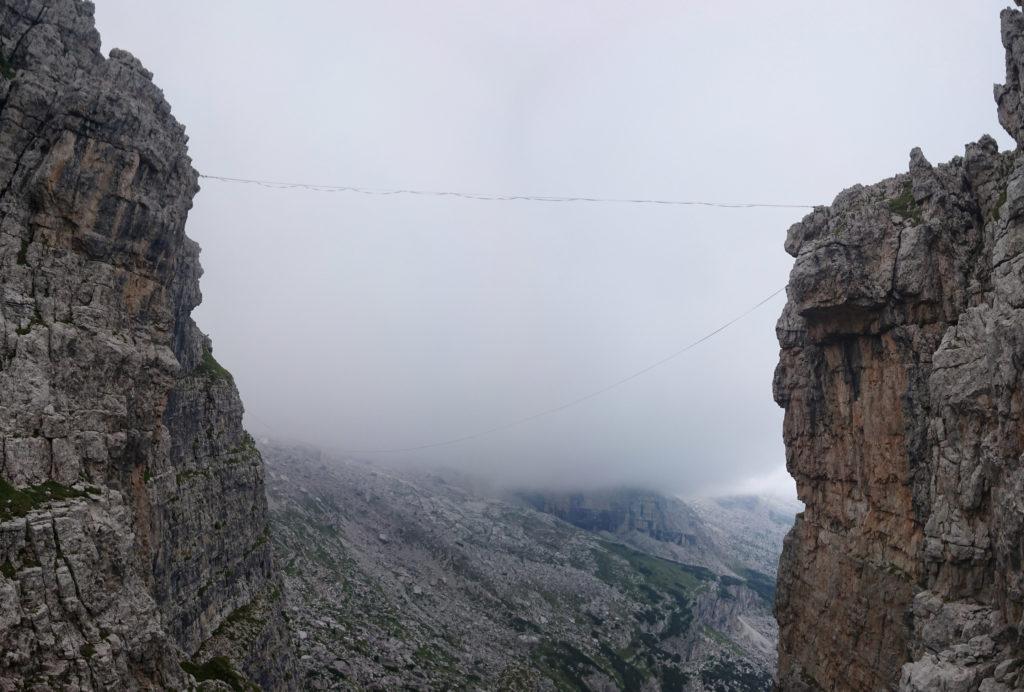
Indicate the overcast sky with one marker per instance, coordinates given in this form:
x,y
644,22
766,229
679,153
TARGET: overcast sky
x,y
365,322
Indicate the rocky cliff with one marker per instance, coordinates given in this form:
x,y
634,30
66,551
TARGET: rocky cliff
x,y
900,372
133,526
627,512
728,535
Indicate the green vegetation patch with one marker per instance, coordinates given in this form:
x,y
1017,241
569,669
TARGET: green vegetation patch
x,y
999,203
628,675
905,206
665,586
737,677
241,616
565,665
678,622
209,367
36,319
761,584
6,69
568,667
673,679
522,625
605,567
722,639
442,666
661,574
244,618
219,668
432,657
15,502
244,450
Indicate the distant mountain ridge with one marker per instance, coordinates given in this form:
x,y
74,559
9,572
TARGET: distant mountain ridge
x,y
726,534
424,580
622,511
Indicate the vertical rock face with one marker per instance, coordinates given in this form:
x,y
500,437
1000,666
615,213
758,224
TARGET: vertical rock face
x,y
624,511
900,372
133,527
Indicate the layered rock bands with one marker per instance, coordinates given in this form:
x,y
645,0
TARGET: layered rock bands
x,y
133,529
900,372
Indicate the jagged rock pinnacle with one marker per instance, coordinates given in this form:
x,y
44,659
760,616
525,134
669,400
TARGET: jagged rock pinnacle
x,y
900,374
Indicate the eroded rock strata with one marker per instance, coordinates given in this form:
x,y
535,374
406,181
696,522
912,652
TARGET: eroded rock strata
x,y
900,372
133,525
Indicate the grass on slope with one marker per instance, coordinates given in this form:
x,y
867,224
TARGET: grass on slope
x,y
568,667
658,574
219,668
15,502
212,369
905,206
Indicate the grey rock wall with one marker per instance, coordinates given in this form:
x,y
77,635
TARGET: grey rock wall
x,y
900,372
132,512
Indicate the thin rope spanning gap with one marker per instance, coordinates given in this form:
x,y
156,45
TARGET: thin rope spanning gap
x,y
499,198
574,402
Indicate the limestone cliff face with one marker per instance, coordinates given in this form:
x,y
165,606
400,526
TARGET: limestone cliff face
x,y
624,511
133,527
900,372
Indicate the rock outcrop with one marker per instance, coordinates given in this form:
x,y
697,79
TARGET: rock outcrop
x,y
133,526
625,511
724,534
900,372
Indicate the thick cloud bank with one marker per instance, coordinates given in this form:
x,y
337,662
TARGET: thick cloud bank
x,y
365,322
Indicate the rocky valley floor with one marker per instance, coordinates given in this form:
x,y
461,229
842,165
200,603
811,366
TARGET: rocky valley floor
x,y
408,580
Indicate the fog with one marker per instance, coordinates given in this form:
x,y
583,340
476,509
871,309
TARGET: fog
x,y
359,322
